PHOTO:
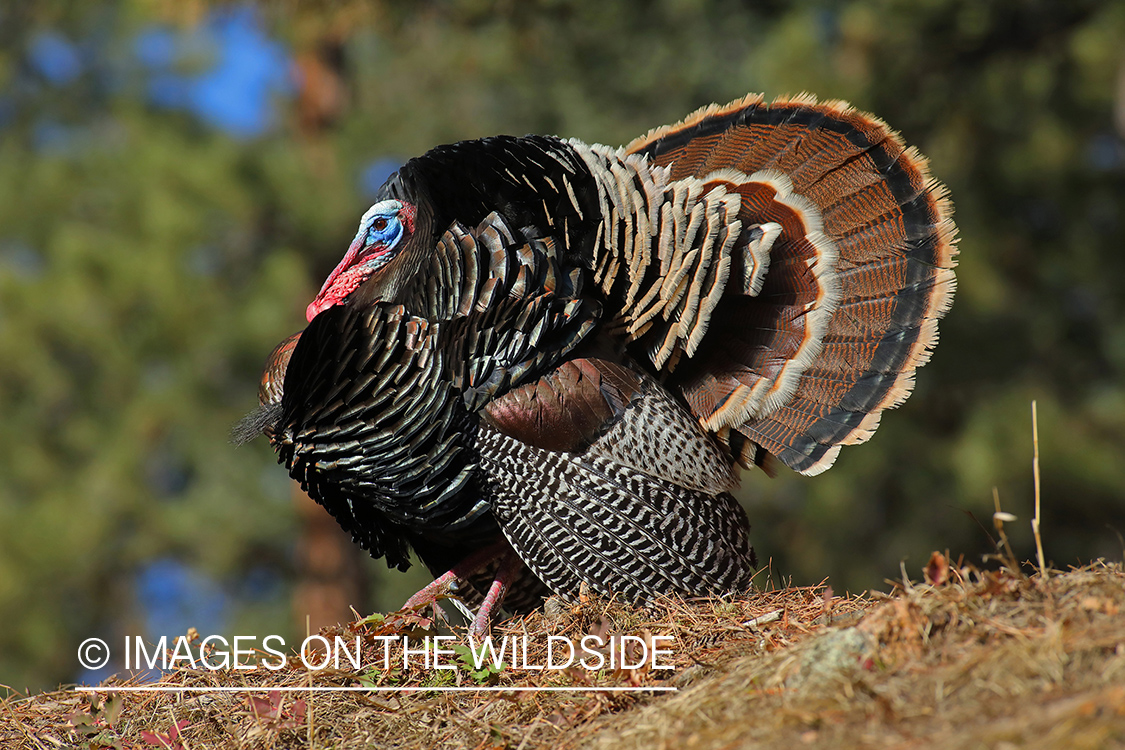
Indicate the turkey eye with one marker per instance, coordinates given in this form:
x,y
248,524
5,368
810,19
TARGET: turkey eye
x,y
379,225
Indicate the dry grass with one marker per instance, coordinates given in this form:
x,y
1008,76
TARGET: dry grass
x,y
981,660
971,659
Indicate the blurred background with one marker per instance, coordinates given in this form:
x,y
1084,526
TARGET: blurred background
x,y
177,178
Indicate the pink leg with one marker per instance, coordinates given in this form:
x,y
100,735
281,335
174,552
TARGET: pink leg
x,y
509,566
442,586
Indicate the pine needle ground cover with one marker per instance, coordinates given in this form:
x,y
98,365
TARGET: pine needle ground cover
x,y
970,658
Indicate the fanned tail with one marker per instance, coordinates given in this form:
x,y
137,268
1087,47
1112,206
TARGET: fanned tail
x,y
806,356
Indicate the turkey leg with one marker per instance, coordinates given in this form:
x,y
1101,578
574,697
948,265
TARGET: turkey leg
x,y
448,583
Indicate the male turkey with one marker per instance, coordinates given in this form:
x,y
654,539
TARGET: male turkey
x,y
542,364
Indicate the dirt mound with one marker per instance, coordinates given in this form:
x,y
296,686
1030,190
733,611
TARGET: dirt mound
x,y
973,658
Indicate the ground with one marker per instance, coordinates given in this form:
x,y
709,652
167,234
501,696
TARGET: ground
x,y
969,658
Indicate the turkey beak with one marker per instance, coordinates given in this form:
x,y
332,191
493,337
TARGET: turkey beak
x,y
323,299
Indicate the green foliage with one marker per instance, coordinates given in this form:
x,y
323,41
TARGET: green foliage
x,y
478,663
146,272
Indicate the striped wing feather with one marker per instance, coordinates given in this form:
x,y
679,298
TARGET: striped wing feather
x,y
589,519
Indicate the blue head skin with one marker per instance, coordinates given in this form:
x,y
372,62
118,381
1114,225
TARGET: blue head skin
x,y
383,232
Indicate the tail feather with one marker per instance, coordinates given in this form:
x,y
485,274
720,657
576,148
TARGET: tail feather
x,y
864,230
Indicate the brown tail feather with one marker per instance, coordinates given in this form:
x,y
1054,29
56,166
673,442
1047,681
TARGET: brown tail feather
x,y
798,386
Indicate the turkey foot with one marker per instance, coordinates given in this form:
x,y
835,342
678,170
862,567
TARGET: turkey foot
x,y
447,584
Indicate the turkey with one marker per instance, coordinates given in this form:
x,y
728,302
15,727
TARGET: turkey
x,y
542,364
